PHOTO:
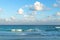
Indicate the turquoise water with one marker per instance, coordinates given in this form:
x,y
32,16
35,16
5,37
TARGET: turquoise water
x,y
39,32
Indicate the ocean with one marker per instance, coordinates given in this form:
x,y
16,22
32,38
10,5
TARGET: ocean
x,y
29,32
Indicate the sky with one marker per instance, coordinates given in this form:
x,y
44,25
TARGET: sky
x,y
29,12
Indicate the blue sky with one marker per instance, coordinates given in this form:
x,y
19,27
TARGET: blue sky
x,y
30,12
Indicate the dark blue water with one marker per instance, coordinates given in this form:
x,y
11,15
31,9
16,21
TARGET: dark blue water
x,y
38,32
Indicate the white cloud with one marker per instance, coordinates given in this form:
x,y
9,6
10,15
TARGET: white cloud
x,y
1,19
55,5
7,20
44,20
29,18
1,9
26,20
20,11
58,14
38,6
13,18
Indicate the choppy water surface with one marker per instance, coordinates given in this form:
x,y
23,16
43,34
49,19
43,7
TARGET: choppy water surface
x,y
30,32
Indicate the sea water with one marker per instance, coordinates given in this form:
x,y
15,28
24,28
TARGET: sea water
x,y
37,32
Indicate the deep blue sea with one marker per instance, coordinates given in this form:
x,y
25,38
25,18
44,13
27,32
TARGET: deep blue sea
x,y
30,32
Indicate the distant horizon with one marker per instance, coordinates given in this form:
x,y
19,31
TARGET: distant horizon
x,y
36,25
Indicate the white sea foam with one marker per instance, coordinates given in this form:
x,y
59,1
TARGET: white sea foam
x,y
16,30
57,27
